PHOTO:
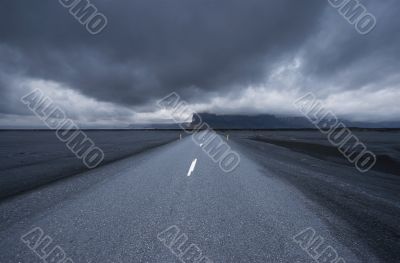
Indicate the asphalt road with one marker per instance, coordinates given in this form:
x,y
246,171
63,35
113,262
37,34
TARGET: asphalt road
x,y
116,212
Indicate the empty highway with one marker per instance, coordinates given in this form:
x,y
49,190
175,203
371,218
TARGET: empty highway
x,y
116,213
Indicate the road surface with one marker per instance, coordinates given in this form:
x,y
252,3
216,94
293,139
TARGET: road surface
x,y
115,213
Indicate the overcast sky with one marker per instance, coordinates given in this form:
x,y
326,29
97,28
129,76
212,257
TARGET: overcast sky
x,y
222,56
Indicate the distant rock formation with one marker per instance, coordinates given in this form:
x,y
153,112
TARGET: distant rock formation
x,y
261,121
267,121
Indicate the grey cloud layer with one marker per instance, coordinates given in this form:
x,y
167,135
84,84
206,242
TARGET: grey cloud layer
x,y
199,48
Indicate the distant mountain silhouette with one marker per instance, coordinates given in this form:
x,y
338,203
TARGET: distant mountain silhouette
x,y
267,121
161,126
261,121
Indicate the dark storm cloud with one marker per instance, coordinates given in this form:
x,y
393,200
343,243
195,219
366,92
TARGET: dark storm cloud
x,y
201,49
150,48
366,59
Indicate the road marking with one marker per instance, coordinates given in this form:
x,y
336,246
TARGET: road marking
x,y
191,169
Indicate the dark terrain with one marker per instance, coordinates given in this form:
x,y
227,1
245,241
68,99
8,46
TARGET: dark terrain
x,y
286,181
32,158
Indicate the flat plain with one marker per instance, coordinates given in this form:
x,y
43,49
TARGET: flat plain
x,y
287,181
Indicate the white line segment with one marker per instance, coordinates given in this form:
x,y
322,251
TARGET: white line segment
x,y
191,169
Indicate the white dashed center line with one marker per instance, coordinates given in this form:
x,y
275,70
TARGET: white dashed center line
x,y
191,169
